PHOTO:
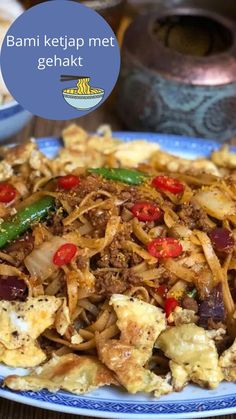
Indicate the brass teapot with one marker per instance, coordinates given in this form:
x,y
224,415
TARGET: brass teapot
x,y
179,74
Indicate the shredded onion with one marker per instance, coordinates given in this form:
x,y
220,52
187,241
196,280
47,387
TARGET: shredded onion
x,y
170,217
140,251
180,271
72,290
227,297
96,245
139,232
151,274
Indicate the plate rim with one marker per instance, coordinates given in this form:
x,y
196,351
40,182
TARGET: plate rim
x,y
52,406
216,405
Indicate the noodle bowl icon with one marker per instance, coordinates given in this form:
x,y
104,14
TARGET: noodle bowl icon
x,y
83,96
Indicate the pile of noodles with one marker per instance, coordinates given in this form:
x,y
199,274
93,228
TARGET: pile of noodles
x,y
89,312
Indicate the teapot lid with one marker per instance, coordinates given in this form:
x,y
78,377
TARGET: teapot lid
x,y
218,68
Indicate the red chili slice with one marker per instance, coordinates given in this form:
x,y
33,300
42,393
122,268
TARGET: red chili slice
x,y
7,192
170,304
162,290
68,182
64,254
165,247
145,211
168,184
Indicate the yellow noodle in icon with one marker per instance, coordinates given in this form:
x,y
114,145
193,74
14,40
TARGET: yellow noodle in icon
x,y
83,88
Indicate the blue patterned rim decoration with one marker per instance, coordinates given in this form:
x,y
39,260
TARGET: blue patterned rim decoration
x,y
198,407
11,110
123,408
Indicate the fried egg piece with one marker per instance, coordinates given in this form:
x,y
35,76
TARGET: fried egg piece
x,y
20,154
74,136
6,170
69,160
25,321
224,157
73,373
228,363
140,323
193,356
26,356
166,162
133,153
127,362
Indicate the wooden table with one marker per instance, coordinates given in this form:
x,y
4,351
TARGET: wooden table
x,y
43,128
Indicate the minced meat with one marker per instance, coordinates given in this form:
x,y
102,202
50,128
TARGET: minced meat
x,y
108,283
194,217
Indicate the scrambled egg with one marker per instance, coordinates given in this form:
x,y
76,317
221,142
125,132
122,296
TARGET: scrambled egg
x,y
77,374
6,170
167,162
224,158
22,322
74,136
27,356
82,149
77,139
127,362
228,363
135,152
140,324
20,154
193,356
69,160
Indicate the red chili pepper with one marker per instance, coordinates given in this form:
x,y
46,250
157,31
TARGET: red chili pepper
x,y
170,304
165,247
7,192
162,290
145,211
68,182
64,254
169,184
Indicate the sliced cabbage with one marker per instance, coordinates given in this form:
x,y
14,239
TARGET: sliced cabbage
x,y
39,262
215,203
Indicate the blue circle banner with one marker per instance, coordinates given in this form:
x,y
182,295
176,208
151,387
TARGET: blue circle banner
x,y
60,60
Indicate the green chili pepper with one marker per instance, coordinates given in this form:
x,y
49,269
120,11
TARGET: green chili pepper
x,y
19,223
132,177
192,293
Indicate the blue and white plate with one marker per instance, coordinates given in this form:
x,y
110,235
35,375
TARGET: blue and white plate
x,y
192,402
